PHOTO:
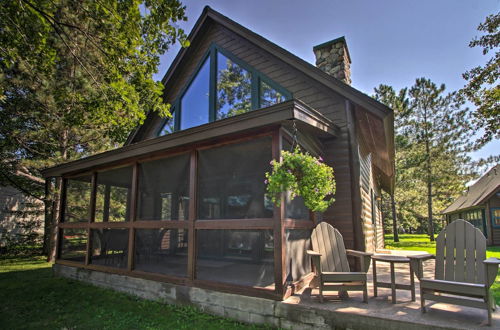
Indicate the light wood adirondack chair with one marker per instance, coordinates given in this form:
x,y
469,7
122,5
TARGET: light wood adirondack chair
x,y
463,275
330,262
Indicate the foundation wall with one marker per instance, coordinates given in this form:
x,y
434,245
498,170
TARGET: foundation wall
x,y
288,314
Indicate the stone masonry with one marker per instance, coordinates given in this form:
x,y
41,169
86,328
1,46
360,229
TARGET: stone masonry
x,y
333,58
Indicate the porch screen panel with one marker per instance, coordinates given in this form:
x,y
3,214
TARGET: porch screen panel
x,y
298,263
77,206
162,251
109,247
73,244
243,257
231,181
113,195
164,189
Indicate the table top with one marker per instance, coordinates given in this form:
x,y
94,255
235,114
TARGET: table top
x,y
390,258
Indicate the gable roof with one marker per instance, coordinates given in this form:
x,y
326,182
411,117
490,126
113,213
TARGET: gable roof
x,y
281,114
479,192
209,15
307,68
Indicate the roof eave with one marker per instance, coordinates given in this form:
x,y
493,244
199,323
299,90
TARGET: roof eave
x,y
274,115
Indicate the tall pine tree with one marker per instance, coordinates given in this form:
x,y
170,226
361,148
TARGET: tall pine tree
x,y
432,140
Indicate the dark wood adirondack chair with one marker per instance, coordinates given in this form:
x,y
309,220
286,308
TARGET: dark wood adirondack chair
x,y
463,275
329,258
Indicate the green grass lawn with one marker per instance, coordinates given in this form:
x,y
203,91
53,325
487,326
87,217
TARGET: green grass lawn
x,y
421,242
31,298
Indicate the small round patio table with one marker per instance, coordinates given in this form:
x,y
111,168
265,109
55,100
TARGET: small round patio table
x,y
393,285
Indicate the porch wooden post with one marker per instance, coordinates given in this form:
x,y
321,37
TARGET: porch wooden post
x,y
193,168
93,198
279,228
133,216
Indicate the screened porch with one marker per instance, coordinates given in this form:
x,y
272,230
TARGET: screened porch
x,y
194,212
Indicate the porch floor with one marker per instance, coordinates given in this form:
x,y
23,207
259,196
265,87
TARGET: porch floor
x,y
382,312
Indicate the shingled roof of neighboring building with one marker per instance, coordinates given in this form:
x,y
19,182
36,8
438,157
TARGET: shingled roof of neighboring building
x,y
479,192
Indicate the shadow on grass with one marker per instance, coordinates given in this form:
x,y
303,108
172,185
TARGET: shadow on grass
x,y
33,299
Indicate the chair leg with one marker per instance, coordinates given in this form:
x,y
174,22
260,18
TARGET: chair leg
x,y
492,301
321,292
422,300
489,315
365,293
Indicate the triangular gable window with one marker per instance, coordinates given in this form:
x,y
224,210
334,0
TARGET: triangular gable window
x,y
222,87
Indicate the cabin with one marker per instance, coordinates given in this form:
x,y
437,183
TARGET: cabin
x,y
184,200
480,205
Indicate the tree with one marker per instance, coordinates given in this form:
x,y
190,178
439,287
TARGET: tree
x,y
482,87
439,127
432,142
76,78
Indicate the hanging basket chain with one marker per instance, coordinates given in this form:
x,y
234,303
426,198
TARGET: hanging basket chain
x,y
294,141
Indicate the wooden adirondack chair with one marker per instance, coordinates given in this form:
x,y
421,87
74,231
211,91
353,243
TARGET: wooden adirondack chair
x,y
330,262
463,275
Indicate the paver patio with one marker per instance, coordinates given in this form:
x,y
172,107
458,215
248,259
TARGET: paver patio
x,y
380,313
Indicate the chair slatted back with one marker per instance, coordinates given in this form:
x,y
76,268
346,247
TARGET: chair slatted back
x,y
460,251
329,242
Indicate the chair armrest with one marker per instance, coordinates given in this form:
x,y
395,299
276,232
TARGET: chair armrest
x,y
491,270
316,259
417,263
313,253
422,257
364,258
358,253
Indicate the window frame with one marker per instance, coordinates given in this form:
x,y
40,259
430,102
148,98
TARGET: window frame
x,y
211,55
493,217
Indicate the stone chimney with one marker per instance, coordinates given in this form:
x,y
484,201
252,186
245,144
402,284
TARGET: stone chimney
x,y
333,58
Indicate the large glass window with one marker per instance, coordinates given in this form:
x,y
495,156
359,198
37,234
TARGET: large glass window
x,y
162,251
244,257
169,125
228,89
109,247
73,244
78,199
234,88
231,181
113,195
163,189
194,102
269,95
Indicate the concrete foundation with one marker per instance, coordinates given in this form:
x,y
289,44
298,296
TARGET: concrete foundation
x,y
301,311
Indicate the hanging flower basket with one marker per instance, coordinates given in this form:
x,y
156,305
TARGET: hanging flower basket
x,y
302,175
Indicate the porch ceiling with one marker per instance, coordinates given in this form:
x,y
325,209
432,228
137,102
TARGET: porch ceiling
x,y
306,118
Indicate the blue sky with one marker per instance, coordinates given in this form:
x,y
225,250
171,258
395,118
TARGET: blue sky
x,y
390,41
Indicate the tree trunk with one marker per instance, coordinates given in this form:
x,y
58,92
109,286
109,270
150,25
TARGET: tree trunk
x,y
430,228
394,219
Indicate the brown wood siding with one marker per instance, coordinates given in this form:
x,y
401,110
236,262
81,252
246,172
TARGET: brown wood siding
x,y
372,228
314,94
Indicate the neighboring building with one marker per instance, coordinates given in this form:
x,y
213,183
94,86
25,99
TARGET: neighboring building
x,y
21,217
480,206
184,200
